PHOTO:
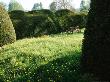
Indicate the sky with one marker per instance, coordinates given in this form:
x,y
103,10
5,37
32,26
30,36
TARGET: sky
x,y
28,4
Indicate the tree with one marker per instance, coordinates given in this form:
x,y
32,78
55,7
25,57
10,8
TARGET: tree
x,y
84,6
7,32
3,5
37,6
64,4
53,6
14,5
96,43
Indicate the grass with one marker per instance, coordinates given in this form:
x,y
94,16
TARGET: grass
x,y
54,58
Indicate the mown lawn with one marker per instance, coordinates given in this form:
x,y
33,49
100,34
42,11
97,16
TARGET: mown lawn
x,y
54,58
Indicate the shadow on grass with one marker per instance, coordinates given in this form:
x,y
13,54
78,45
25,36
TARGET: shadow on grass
x,y
64,69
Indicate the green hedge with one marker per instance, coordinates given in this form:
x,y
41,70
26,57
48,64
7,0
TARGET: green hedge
x,y
32,23
40,22
67,19
96,43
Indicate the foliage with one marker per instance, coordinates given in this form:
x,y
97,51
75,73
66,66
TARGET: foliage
x,y
84,6
45,59
14,5
33,23
78,20
64,4
7,32
63,19
19,21
63,12
37,6
40,22
96,43
3,5
53,6
67,19
40,25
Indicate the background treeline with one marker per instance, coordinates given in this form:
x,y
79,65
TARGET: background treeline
x,y
41,22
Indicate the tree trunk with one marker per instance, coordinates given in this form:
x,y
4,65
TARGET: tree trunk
x,y
96,43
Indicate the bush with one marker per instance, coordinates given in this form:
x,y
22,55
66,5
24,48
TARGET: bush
x,y
18,19
96,43
45,12
78,20
40,22
63,20
40,25
32,23
63,12
7,32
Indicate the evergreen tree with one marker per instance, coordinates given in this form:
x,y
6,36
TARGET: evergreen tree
x,y
7,32
96,43
3,4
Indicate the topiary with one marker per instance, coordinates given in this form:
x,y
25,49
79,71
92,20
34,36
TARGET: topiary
x,y
96,43
63,12
18,19
63,19
40,25
7,32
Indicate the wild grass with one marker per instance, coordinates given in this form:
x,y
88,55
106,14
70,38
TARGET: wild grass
x,y
54,58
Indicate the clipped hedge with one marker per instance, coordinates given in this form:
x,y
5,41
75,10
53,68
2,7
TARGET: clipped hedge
x,y
7,32
32,23
40,22
19,20
63,20
78,20
40,25
96,43
67,19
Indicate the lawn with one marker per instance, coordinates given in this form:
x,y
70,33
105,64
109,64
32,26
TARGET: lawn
x,y
53,58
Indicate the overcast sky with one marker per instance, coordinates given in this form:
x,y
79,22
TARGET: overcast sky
x,y
28,4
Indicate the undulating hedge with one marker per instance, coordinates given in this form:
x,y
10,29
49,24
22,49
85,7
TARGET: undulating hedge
x,y
39,25
19,21
31,24
40,22
67,19
7,32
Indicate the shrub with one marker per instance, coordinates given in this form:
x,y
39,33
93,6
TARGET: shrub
x,y
67,19
78,20
96,43
18,19
32,23
40,25
45,12
7,32
63,20
63,12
